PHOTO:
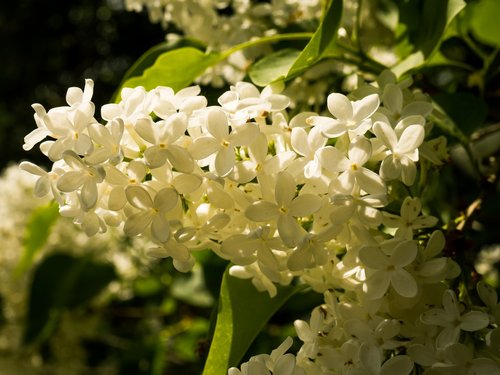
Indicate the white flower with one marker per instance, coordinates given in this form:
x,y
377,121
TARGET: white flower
x,y
134,174
400,163
353,174
151,212
306,145
107,142
83,177
385,270
310,332
47,181
409,219
277,363
162,136
187,100
371,361
453,321
244,101
286,209
220,143
260,163
352,117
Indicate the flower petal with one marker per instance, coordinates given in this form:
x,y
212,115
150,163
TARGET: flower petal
x,y
224,161
386,134
340,106
137,223
160,230
365,107
217,123
403,283
412,138
377,284
285,189
305,205
138,197
262,211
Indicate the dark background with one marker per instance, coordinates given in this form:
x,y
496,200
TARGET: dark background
x,y
48,46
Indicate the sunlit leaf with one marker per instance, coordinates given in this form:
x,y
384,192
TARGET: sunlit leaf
x,y
149,57
273,67
484,21
242,313
37,232
322,40
177,69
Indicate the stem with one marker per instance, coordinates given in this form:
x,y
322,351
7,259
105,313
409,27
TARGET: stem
x,y
265,39
357,29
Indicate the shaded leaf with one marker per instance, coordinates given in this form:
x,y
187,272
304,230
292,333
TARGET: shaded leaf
x,y
242,312
62,281
466,110
427,25
37,232
273,67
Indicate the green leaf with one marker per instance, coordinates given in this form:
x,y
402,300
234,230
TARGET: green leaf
x,y
149,57
273,67
436,16
447,125
427,27
466,110
176,69
37,232
62,281
322,40
484,21
242,313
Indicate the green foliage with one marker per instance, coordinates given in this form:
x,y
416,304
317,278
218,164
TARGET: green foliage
x,y
322,41
242,312
466,110
36,234
288,63
149,58
273,67
484,21
176,69
426,23
62,282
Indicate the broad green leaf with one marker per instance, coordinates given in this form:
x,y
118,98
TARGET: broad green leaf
x,y
37,232
427,27
62,281
322,40
149,57
273,67
177,69
242,312
484,21
466,110
436,16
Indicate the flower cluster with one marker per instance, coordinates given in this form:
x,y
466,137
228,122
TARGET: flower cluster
x,y
315,196
221,24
